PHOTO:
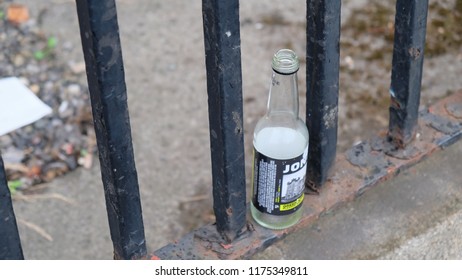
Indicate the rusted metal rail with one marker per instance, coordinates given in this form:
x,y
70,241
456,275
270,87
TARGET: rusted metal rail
x,y
406,74
360,168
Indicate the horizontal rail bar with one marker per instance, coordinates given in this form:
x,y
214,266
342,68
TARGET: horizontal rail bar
x,y
10,243
322,87
360,168
224,87
105,73
406,74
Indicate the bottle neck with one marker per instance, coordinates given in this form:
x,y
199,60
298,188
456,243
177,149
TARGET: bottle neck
x,y
283,95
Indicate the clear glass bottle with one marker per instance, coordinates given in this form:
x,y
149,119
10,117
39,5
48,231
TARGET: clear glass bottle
x,y
280,150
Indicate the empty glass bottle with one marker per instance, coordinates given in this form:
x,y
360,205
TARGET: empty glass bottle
x,y
280,150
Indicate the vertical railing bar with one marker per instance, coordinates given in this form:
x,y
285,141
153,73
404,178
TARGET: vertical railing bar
x,y
406,75
105,73
322,87
10,243
224,87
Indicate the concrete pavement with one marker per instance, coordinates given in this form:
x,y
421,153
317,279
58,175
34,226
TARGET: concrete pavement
x,y
416,215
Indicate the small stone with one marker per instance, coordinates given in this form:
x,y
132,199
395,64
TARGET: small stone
x,y
71,162
52,76
63,107
13,155
68,128
49,86
37,140
56,122
35,88
18,60
86,161
24,81
350,62
73,89
32,69
5,141
28,129
77,67
68,148
42,123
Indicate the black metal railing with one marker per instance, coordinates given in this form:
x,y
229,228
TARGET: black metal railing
x,y
322,87
105,73
10,244
406,74
224,86
99,32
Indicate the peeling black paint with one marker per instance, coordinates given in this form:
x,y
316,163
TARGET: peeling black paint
x,y
385,145
106,80
441,123
224,87
322,84
362,155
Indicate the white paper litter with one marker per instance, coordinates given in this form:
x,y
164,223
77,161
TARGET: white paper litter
x,y
19,106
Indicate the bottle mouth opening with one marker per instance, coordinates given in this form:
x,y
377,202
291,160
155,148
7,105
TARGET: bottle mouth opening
x,y
285,61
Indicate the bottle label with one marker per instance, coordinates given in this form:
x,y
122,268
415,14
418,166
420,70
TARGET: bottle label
x,y
278,185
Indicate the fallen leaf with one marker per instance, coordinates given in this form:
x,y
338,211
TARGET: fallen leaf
x,y
17,13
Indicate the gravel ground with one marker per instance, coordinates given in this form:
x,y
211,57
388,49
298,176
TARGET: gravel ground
x,y
63,140
162,44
